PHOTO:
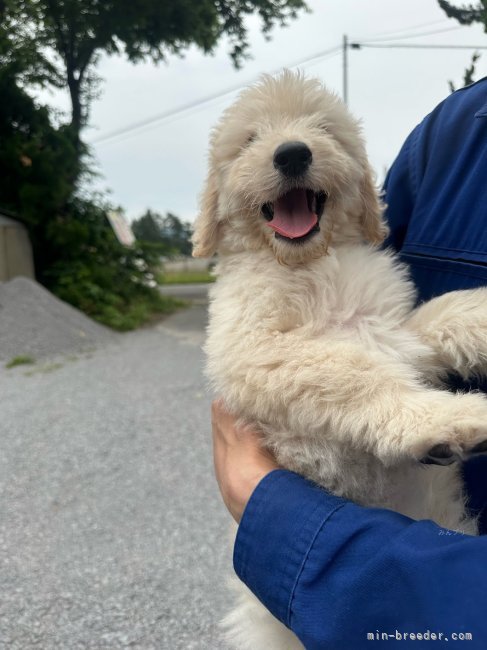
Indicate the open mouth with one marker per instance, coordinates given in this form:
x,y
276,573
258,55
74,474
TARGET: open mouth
x,y
295,216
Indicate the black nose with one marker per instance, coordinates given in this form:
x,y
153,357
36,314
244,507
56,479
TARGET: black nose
x,y
292,158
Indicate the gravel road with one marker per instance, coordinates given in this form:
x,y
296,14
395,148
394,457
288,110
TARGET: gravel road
x,y
112,534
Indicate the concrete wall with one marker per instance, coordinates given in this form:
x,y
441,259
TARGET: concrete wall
x,y
15,250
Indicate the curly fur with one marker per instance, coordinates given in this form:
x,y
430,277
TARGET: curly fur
x,y
318,344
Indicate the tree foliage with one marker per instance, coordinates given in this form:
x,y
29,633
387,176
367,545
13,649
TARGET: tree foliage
x,y
37,161
467,15
108,281
468,75
76,253
172,235
148,228
69,36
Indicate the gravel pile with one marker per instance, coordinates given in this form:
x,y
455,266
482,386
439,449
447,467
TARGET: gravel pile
x,y
33,322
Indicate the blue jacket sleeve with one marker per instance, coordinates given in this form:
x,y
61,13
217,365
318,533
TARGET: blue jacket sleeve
x,y
341,576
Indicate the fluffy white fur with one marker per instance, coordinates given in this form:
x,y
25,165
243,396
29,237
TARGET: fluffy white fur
x,y
318,344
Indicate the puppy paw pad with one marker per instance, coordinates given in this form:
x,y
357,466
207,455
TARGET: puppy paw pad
x,y
441,454
481,448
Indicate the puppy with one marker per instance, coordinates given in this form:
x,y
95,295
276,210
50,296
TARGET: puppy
x,y
313,337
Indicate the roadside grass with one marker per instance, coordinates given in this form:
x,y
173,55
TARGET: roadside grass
x,y
45,368
20,360
186,277
122,307
139,312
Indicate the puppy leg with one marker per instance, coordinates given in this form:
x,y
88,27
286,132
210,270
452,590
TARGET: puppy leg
x,y
250,626
338,391
455,327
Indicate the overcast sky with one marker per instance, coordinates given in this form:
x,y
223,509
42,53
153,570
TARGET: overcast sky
x,y
162,167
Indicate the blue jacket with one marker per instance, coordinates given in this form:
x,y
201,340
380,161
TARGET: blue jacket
x,y
342,576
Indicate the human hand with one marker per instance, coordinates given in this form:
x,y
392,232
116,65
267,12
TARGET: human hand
x,y
240,461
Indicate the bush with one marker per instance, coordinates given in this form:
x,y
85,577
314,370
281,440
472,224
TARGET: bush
x,y
111,283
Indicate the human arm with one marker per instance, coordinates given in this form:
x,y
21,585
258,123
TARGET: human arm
x,y
333,571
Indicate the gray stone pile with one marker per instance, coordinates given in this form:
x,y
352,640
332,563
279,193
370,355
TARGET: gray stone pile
x,y
33,322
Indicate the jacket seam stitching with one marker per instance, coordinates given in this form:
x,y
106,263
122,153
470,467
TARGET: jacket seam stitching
x,y
305,559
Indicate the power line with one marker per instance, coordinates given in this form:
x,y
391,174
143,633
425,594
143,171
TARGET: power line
x,y
191,107
200,103
135,126
312,62
414,46
191,111
321,56
408,29
419,46
348,45
406,36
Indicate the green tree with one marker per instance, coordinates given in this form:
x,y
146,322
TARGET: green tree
x,y
467,15
76,253
468,75
177,233
69,36
108,281
171,234
37,161
148,227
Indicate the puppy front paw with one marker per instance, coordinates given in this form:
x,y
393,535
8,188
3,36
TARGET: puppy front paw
x,y
435,427
454,326
443,454
457,432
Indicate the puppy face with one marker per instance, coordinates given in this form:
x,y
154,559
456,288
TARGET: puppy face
x,y
288,171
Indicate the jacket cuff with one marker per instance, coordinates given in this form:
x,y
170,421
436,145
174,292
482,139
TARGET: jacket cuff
x,y
279,525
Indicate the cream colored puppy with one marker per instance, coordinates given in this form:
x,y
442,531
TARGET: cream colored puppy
x,y
313,336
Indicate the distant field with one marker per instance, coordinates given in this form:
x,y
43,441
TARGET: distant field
x,y
186,277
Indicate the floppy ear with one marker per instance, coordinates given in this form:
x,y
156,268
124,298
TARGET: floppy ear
x,y
205,235
372,221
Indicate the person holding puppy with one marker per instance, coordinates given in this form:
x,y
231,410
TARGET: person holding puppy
x,y
340,575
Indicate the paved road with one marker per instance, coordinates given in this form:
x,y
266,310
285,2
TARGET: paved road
x,y
112,534
197,293
189,323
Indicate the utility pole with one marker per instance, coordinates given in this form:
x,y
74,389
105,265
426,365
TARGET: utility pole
x,y
345,68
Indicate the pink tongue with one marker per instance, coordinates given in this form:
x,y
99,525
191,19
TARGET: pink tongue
x,y
292,217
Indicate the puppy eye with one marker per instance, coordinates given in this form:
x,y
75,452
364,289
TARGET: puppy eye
x,y
250,138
